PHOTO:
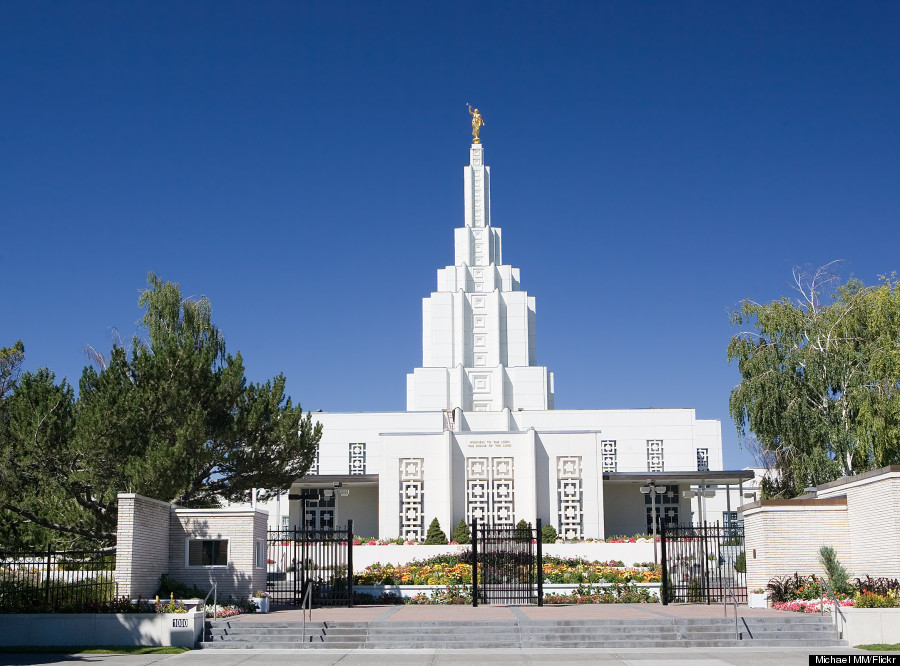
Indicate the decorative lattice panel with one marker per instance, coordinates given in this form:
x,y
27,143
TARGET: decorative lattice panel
x,y
477,489
608,455
570,497
357,458
654,455
702,460
490,490
412,499
503,491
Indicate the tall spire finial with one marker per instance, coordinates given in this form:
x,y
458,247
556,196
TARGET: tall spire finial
x,y
477,122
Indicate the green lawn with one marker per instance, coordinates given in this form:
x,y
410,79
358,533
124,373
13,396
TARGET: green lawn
x,y
880,647
68,649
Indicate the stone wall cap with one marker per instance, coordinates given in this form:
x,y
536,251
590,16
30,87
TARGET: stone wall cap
x,y
844,480
810,502
143,498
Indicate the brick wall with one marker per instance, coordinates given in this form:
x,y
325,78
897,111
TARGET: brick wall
x,y
142,548
858,516
152,540
783,537
240,577
873,511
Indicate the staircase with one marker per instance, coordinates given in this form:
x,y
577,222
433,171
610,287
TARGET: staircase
x,y
284,635
796,630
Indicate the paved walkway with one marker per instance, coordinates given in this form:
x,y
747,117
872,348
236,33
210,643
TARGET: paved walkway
x,y
630,657
739,656
446,613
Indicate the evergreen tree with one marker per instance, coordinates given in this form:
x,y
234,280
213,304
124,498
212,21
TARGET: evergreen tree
x,y
523,531
835,572
435,536
462,534
175,419
548,534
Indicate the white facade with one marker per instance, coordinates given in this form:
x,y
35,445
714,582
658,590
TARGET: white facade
x,y
481,438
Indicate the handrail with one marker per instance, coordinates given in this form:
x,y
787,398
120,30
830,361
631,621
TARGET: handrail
x,y
836,603
214,592
734,601
305,600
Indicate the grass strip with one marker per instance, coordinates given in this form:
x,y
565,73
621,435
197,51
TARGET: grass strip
x,y
880,647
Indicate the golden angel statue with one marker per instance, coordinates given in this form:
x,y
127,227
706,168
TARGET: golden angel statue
x,y
477,122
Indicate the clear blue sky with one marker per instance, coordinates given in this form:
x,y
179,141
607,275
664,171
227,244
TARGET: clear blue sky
x,y
301,164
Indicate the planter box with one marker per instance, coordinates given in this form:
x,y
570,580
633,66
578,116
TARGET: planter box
x,y
863,626
409,591
757,600
96,629
365,555
262,604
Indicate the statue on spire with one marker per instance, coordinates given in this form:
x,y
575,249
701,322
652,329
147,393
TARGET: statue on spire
x,y
477,122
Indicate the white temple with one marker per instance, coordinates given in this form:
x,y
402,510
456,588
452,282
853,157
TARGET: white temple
x,y
481,438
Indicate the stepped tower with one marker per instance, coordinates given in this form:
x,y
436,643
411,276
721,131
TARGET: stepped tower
x,y
478,329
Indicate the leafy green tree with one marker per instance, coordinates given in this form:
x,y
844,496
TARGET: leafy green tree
x,y
175,420
820,387
462,534
435,535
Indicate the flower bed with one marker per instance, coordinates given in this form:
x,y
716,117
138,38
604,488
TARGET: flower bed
x,y
811,605
454,570
462,594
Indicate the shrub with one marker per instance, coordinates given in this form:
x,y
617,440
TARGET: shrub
x,y
870,600
435,536
740,563
523,531
834,570
462,534
172,588
548,534
880,586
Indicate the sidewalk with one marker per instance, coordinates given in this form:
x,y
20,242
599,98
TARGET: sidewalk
x,y
446,613
630,657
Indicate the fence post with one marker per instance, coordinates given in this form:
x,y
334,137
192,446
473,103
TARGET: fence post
x,y
350,562
540,563
664,588
474,562
47,576
706,590
299,567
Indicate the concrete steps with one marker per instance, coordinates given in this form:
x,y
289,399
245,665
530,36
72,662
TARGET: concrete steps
x,y
225,634
800,630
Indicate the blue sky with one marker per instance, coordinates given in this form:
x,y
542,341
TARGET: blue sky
x,y
301,165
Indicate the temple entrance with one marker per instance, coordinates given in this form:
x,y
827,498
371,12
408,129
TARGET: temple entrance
x,y
318,512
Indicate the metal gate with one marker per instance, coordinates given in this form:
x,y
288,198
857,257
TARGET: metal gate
x,y
319,559
701,563
506,565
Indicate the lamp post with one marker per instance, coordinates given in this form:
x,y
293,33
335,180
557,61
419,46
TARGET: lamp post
x,y
652,490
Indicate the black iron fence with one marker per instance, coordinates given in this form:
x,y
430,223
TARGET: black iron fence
x,y
52,581
321,559
703,563
506,565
